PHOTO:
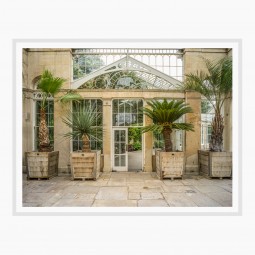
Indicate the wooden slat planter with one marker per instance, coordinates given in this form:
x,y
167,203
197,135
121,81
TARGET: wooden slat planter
x,y
42,165
215,164
85,165
169,164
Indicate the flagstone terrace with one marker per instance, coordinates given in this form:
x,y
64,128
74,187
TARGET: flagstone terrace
x,y
127,189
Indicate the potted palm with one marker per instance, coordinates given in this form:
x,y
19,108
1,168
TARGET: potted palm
x,y
165,115
215,84
44,163
82,124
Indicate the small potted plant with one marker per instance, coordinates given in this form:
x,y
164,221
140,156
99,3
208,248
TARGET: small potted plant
x,y
82,124
44,162
165,115
215,84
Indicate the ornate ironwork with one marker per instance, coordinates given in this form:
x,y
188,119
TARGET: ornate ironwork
x,y
127,73
39,96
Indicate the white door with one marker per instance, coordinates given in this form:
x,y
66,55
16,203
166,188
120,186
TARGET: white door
x,y
120,153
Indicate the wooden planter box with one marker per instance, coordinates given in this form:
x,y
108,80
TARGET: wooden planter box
x,y
169,164
215,164
42,165
85,165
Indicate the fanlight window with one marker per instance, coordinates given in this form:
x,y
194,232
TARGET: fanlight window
x,y
127,73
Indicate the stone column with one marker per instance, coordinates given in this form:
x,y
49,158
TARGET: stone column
x,y
193,139
27,126
227,132
62,60
148,146
61,144
107,134
193,63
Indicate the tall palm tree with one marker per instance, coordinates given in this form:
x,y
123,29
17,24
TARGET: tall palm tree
x,y
164,115
49,85
215,84
83,124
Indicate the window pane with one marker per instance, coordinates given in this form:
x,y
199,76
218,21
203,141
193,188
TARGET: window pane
x,y
173,71
179,71
140,119
127,112
173,60
116,148
97,106
37,119
115,106
123,135
49,110
122,148
167,61
117,160
127,107
122,160
140,103
116,136
115,120
121,106
134,119
50,119
179,61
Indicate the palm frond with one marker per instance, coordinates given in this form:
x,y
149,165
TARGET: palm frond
x,y
183,126
166,112
165,116
82,122
215,83
152,127
70,96
50,84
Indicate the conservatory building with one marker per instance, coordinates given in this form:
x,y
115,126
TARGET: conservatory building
x,y
117,83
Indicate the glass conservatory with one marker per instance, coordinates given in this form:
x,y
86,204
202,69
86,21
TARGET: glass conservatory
x,y
116,83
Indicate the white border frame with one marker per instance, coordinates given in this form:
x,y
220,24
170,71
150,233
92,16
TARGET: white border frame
x,y
235,44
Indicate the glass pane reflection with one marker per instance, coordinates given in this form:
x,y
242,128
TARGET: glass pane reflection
x,y
127,112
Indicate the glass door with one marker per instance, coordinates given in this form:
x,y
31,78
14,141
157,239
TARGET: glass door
x,y
120,155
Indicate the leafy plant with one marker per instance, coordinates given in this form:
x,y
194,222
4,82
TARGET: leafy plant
x,y
165,115
70,96
205,106
135,137
137,146
215,84
83,124
49,85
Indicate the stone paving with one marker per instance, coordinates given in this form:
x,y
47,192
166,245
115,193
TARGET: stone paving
x,y
127,189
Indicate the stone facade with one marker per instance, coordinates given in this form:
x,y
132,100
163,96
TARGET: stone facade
x,y
193,62
59,61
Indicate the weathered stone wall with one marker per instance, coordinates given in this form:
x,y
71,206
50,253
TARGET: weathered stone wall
x,y
193,62
35,61
227,133
58,61
24,68
193,138
27,117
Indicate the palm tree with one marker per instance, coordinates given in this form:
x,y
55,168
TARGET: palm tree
x,y
164,115
49,85
215,85
83,124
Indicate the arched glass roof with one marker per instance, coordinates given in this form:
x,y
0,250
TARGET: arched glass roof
x,y
127,73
